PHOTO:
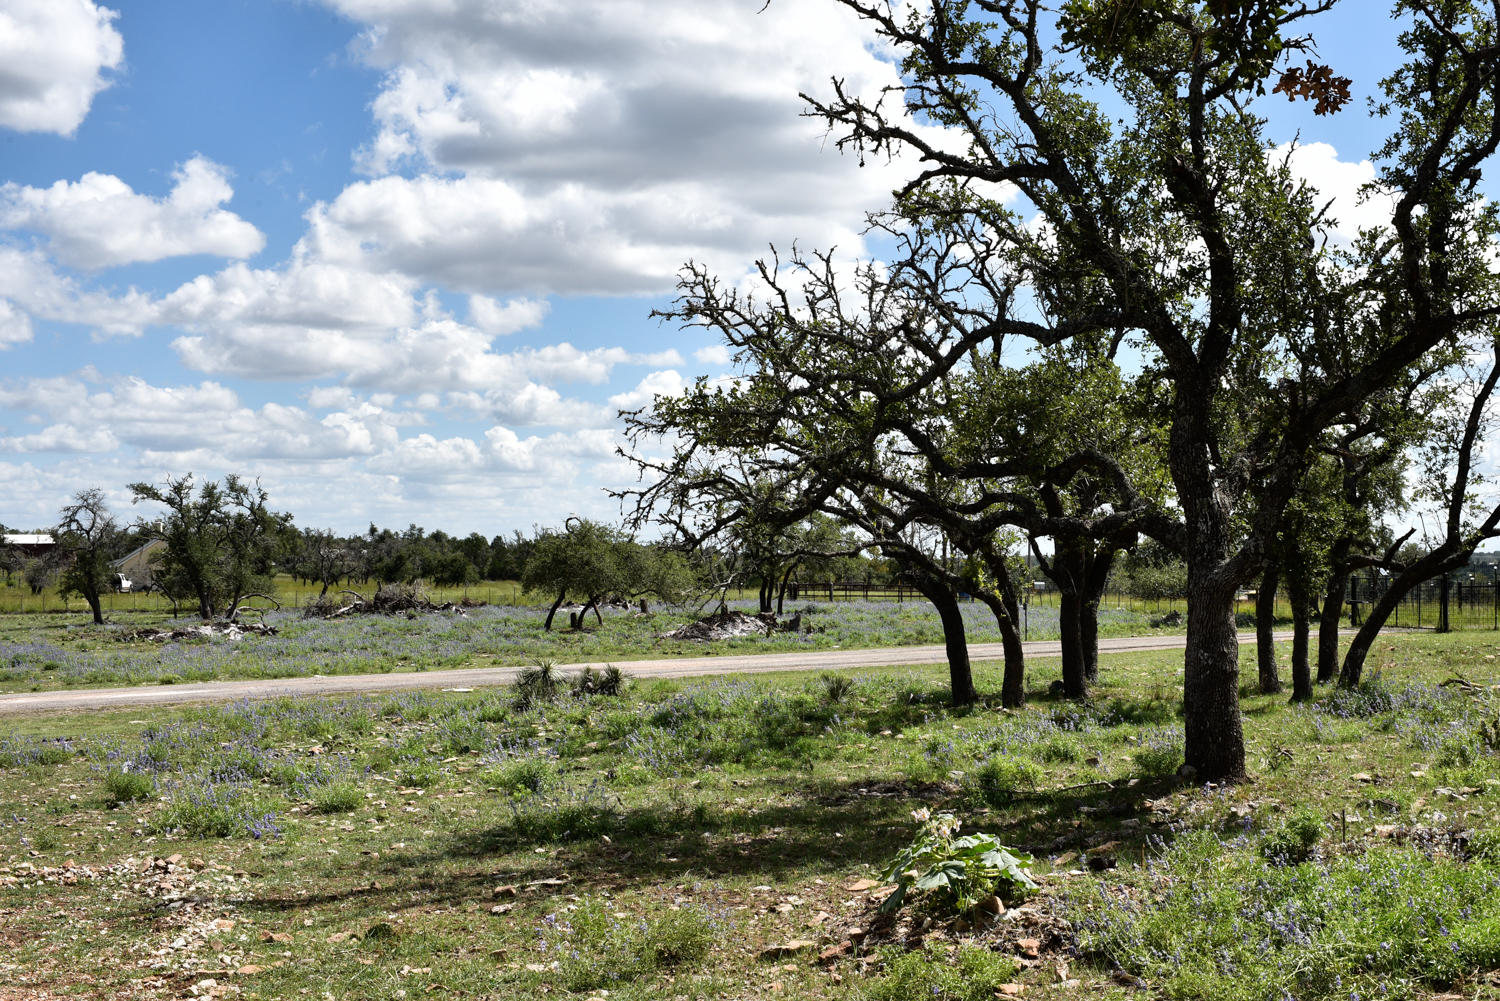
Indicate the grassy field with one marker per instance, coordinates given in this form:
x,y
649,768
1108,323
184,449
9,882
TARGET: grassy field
x,y
728,838
16,598
41,652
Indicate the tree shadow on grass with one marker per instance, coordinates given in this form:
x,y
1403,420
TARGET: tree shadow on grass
x,y
834,829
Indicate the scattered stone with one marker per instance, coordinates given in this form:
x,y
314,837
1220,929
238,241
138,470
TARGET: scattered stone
x,y
833,952
1029,947
791,948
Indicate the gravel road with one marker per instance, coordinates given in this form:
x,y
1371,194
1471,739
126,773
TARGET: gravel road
x,y
466,678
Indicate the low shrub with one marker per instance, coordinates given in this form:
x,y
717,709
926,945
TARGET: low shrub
x,y
16,752
962,869
679,938
996,781
122,787
1159,753
608,683
203,808
537,685
596,949
529,774
973,974
837,688
1059,749
1209,919
566,813
1294,839
338,797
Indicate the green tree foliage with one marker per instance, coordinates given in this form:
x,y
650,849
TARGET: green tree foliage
x,y
594,562
89,539
1157,219
221,541
323,557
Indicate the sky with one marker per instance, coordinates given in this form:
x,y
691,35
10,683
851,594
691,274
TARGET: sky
x,y
398,258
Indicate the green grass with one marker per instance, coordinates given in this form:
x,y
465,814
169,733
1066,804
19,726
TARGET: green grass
x,y
706,839
41,652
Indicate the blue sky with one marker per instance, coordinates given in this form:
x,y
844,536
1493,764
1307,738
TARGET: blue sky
x,y
396,257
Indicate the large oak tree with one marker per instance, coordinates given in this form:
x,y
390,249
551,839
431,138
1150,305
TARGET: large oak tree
x,y
1152,215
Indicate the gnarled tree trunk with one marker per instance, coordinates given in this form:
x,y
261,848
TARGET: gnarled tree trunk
x,y
1302,689
960,675
1332,612
1265,642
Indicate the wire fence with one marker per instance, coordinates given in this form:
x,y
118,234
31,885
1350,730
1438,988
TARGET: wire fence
x,y
289,594
1459,601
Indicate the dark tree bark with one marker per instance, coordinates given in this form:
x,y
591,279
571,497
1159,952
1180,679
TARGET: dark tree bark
x,y
1080,569
786,580
1302,689
1095,581
1214,739
1332,612
1214,742
593,602
553,610
960,675
1075,684
1013,686
1265,642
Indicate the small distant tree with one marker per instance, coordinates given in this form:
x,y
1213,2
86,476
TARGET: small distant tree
x,y
451,569
656,570
508,556
476,549
1448,461
39,572
10,557
221,541
595,561
1154,573
87,537
324,558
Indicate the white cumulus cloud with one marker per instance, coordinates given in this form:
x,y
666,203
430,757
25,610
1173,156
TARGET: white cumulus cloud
x,y
506,317
539,156
31,283
53,57
1342,181
664,383
15,325
98,221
